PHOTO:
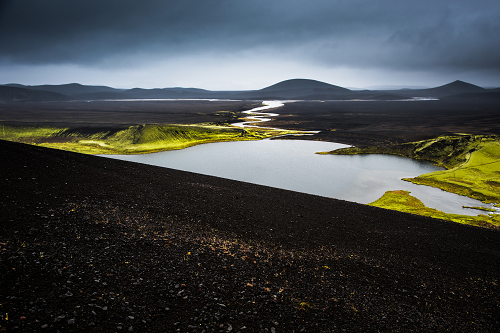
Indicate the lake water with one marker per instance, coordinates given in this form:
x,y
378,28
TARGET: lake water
x,y
293,165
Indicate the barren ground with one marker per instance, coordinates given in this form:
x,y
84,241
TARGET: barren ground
x,y
90,244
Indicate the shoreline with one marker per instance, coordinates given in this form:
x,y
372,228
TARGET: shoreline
x,y
469,161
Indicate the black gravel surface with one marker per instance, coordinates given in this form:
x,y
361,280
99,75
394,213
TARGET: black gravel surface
x,y
91,244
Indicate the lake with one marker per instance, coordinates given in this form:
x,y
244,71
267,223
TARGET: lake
x,y
293,165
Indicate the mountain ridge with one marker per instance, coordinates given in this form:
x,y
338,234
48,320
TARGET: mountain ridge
x,y
298,89
67,88
10,94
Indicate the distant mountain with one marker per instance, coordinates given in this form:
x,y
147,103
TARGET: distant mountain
x,y
304,84
453,88
456,87
9,94
296,89
68,89
14,85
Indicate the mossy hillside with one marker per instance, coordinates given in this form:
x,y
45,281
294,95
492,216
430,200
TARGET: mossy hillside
x,y
447,151
478,177
404,202
132,139
21,133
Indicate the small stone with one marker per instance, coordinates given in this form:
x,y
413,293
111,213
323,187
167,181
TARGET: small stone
x,y
71,321
59,318
68,294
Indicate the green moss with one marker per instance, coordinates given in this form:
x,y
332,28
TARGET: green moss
x,y
477,177
133,139
404,202
446,151
25,133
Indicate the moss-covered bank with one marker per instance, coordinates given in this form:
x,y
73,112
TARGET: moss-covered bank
x,y
447,151
131,139
404,202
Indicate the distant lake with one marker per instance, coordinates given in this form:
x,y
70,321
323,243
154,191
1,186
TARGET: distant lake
x,y
293,165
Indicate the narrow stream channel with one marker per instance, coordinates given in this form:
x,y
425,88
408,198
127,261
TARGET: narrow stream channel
x,y
260,117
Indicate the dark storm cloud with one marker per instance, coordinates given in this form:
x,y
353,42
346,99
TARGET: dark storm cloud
x,y
444,34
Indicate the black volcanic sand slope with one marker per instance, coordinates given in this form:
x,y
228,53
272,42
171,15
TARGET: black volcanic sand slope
x,y
94,244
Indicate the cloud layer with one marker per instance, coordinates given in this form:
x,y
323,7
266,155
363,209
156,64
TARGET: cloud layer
x,y
445,37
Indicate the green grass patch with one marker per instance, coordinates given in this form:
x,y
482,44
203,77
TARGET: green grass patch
x,y
404,202
130,140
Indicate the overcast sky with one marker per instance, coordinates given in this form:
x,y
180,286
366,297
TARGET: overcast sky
x,y
249,44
